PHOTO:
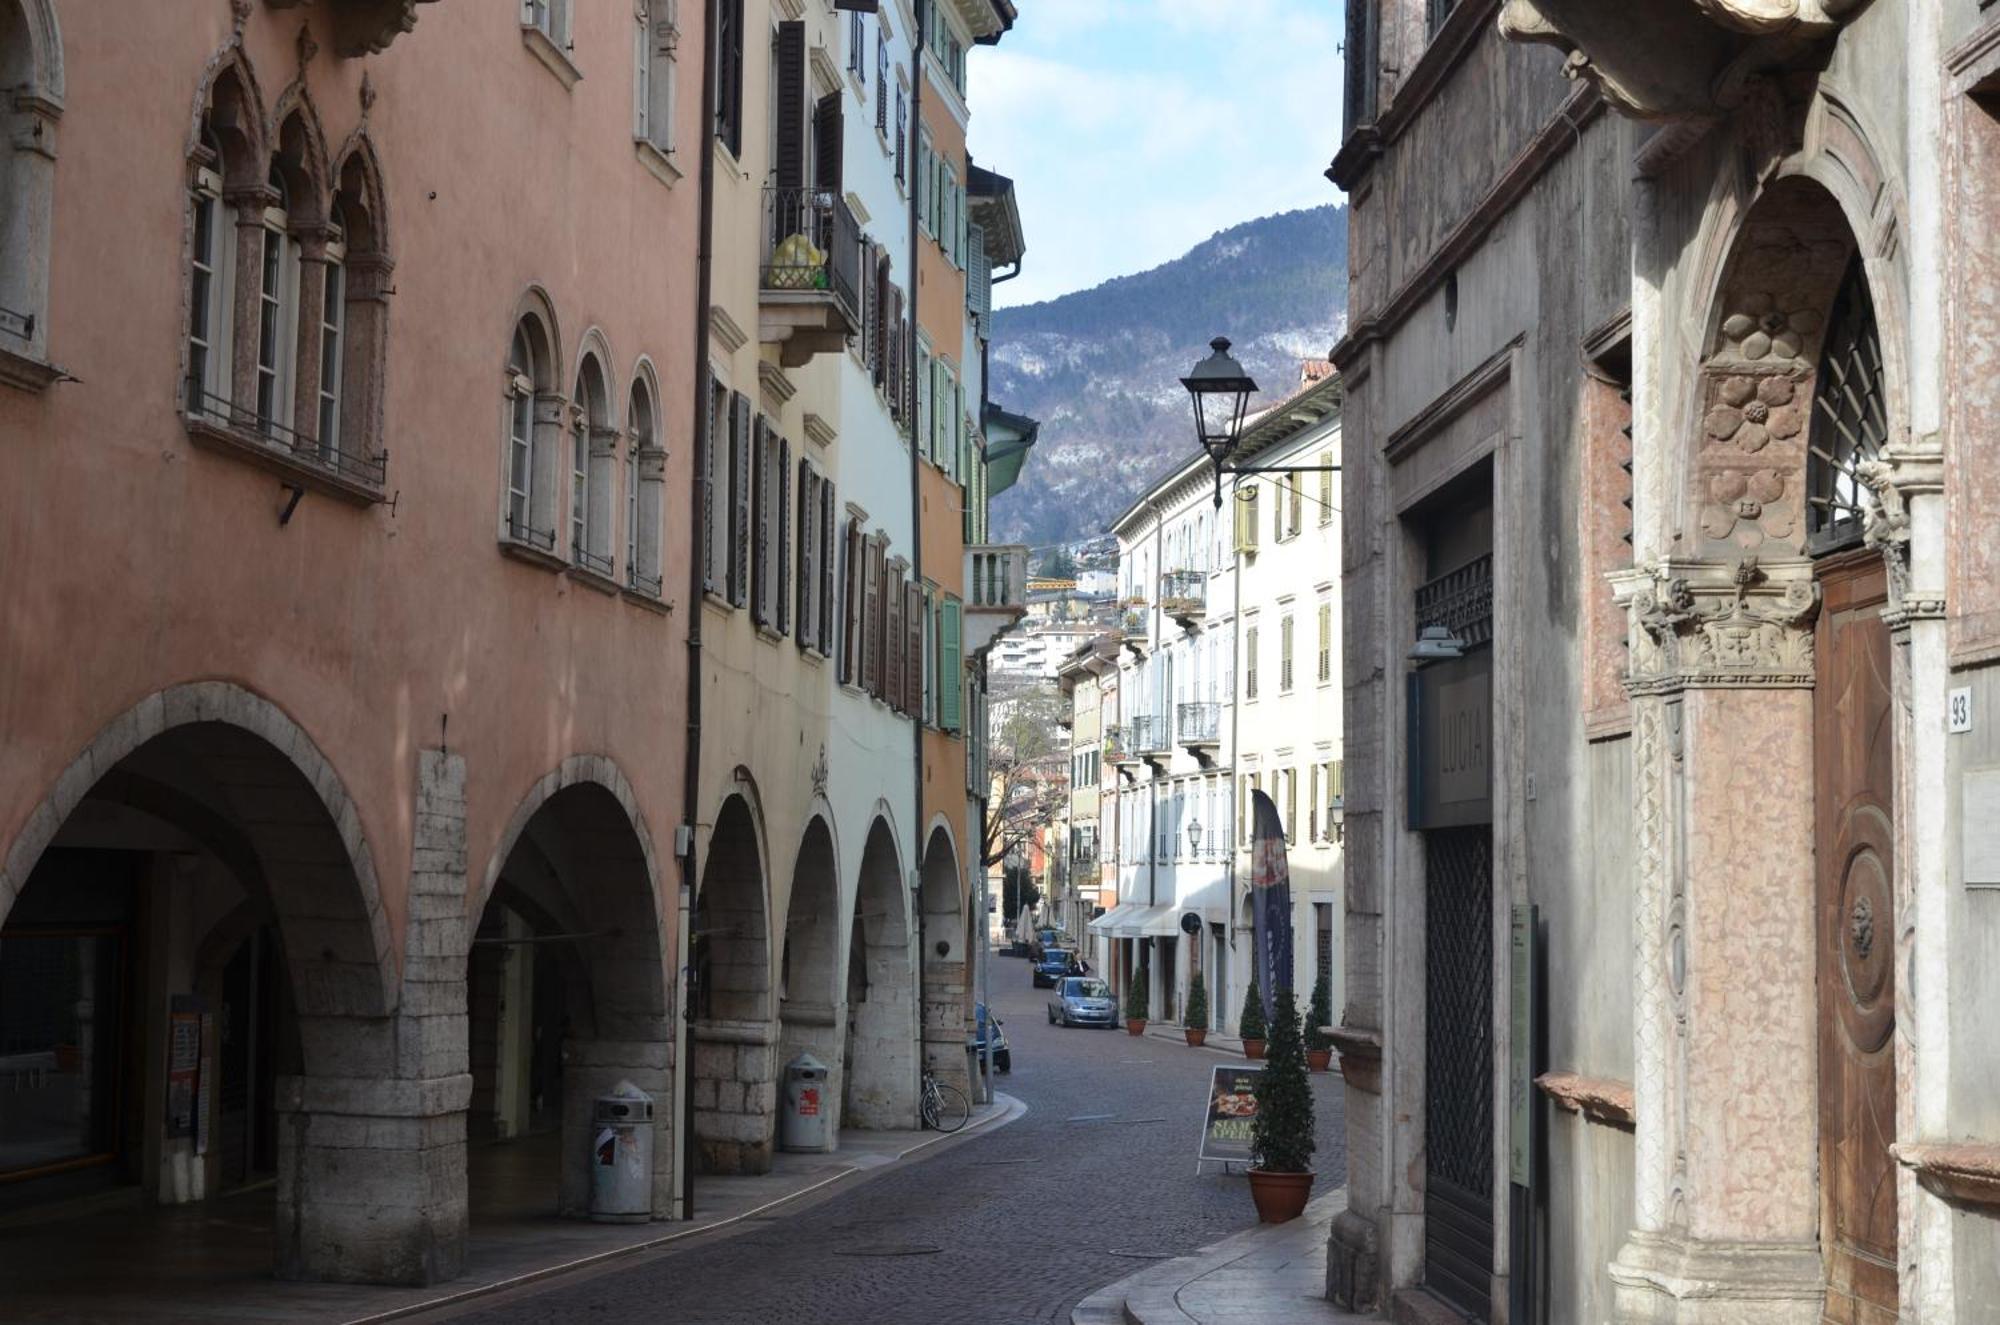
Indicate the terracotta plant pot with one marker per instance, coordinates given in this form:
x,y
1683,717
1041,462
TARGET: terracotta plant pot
x,y
1196,1036
1319,1059
1253,1048
1279,1196
1135,1025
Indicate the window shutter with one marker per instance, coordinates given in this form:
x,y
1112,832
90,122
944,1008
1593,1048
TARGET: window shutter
x,y
850,616
892,635
739,493
1250,663
913,649
760,558
871,616
826,581
1285,632
828,130
790,72
728,15
712,427
781,521
924,363
923,186
951,667
808,551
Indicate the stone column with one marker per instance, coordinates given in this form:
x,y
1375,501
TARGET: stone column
x,y
1725,1015
246,305
311,317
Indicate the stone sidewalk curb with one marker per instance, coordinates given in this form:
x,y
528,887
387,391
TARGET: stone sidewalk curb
x,y
1152,1296
1010,1110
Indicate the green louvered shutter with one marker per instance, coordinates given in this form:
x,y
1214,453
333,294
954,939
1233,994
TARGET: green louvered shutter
x,y
951,666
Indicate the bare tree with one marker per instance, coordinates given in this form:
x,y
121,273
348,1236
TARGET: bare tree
x,y
1028,761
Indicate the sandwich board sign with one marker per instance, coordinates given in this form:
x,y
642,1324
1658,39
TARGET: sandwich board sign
x,y
1225,1129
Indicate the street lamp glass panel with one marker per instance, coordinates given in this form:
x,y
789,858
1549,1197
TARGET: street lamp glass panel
x,y
1194,837
1221,392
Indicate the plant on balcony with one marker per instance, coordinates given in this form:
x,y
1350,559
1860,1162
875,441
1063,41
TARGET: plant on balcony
x,y
1251,1024
1195,1023
1135,1001
1319,1015
1281,1131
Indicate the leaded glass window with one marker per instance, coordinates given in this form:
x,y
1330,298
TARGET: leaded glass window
x,y
1850,421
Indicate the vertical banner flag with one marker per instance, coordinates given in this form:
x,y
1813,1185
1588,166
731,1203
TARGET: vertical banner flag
x,y
1270,902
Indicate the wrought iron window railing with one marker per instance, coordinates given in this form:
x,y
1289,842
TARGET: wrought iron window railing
x,y
17,324
1200,722
1149,734
650,585
1116,744
219,410
812,244
596,563
1183,591
1132,621
528,536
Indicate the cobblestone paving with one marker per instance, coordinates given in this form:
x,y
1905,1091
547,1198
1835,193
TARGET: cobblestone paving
x,y
1014,1225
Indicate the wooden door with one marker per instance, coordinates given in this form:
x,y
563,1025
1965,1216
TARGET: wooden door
x,y
1856,934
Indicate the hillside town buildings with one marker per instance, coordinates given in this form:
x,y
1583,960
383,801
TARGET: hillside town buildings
x,y
1669,608
532,628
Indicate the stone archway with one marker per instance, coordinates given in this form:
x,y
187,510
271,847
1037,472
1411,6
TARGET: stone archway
x,y
1763,717
224,812
881,1084
566,977
947,988
812,1009
734,1070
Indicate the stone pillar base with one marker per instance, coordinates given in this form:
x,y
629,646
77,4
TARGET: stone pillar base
x,y
1353,1273
1664,1279
371,1179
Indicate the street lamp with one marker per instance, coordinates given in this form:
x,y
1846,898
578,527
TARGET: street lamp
x,y
1221,392
1194,837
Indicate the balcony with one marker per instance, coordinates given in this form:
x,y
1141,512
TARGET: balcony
x,y
1199,725
996,592
809,301
1132,626
1152,740
1184,596
1119,751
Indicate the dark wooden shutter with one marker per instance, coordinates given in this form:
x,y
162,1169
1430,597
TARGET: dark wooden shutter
x,y
789,69
727,16
712,429
871,619
781,521
892,631
740,500
826,581
808,553
760,553
828,131
913,647
851,607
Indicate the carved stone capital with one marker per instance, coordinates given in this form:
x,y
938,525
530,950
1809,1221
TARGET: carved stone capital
x,y
1893,478
1673,59
1711,624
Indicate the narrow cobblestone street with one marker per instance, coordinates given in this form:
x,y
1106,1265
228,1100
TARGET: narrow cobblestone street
x,y
1014,1225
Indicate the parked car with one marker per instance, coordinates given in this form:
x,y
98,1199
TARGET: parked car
x,y
1003,1057
1043,940
1053,965
1081,1000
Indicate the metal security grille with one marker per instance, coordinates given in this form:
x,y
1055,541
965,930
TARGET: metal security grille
x,y
1849,419
1460,600
1458,1067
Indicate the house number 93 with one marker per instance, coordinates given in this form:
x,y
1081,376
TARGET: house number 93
x,y
1958,710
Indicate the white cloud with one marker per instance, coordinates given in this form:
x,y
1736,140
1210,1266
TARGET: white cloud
x,y
1136,128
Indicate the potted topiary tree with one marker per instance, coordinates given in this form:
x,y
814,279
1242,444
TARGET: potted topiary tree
x,y
1319,1015
1281,1131
1194,1024
1135,1002
1251,1024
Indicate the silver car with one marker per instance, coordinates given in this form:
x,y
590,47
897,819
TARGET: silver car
x,y
1080,1000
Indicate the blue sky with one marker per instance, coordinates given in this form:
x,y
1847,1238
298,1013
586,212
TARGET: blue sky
x,y
1134,129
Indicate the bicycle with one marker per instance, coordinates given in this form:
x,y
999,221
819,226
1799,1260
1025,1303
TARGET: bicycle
x,y
943,1108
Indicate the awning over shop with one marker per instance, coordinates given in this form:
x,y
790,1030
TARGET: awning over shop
x,y
1136,920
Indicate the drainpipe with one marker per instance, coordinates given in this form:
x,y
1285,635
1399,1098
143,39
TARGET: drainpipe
x,y
691,773
1235,709
917,39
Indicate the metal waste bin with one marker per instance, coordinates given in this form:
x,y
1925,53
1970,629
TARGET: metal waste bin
x,y
803,1126
621,1157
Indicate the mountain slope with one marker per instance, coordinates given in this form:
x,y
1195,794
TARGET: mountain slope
x,y
1101,368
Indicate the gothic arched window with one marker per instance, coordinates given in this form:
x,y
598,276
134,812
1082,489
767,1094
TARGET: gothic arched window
x,y
1850,422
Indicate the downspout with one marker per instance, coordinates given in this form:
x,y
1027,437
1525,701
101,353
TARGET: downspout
x,y
917,39
1235,715
691,773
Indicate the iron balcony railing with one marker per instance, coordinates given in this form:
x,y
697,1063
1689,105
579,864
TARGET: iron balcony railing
x,y
1132,621
1150,735
17,324
996,576
812,245
1118,744
207,406
1200,722
638,582
1183,594
595,563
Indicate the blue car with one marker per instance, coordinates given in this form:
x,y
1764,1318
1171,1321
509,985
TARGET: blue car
x,y
1053,965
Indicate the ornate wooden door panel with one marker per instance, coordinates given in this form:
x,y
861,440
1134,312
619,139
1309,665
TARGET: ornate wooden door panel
x,y
1856,924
